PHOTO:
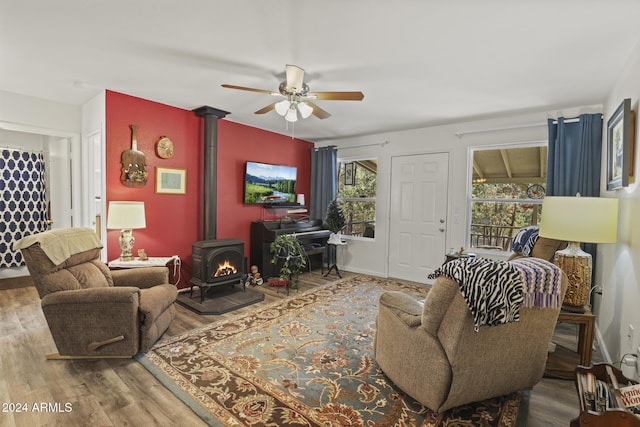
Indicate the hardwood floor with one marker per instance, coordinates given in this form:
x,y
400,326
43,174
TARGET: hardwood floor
x,y
117,392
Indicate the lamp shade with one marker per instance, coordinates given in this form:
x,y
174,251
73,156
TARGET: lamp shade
x,y
282,107
580,219
292,114
126,215
304,109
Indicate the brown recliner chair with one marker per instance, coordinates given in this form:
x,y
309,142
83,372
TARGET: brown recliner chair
x,y
431,351
92,311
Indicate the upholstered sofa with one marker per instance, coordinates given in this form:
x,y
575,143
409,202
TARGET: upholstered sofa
x,y
431,350
92,311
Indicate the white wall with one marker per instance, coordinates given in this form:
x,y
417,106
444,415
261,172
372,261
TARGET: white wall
x,y
618,265
370,257
26,111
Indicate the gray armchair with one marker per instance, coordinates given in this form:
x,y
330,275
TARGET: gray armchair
x,y
92,311
431,350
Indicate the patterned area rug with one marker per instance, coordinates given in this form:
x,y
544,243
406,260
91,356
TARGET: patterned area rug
x,y
304,361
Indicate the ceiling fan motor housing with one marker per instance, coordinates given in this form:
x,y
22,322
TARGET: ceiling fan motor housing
x,y
289,91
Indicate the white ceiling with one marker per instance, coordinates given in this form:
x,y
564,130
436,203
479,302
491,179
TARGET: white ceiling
x,y
418,63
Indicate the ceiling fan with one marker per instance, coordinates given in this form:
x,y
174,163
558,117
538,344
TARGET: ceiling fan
x,y
297,98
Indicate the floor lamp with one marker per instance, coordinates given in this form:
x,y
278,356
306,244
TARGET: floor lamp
x,y
126,216
578,219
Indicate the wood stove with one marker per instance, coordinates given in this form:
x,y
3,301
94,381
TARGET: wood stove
x,y
217,262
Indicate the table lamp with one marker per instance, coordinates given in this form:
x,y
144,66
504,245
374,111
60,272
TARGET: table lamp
x,y
578,219
126,216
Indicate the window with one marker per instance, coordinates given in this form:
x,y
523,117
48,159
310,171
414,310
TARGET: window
x,y
357,196
507,187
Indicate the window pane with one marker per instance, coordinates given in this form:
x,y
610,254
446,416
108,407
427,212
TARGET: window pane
x,y
488,190
507,186
361,218
493,224
357,193
363,183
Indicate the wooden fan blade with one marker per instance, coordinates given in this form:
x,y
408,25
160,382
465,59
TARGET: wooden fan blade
x,y
295,77
337,96
266,109
250,89
317,111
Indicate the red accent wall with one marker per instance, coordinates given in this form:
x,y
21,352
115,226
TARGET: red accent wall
x,y
174,222
238,143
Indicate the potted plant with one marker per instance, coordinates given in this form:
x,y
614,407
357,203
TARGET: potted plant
x,y
335,221
288,255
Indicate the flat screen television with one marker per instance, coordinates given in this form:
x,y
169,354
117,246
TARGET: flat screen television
x,y
269,184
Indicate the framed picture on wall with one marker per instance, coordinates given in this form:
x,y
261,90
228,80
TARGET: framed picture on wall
x,y
171,181
620,146
349,173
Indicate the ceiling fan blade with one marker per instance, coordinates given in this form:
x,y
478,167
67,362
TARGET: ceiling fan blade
x,y
266,109
337,96
250,89
317,111
295,77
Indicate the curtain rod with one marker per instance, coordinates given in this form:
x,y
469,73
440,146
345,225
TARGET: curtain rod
x,y
365,145
460,134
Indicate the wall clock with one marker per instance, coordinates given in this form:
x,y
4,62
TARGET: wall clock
x,y
164,147
536,191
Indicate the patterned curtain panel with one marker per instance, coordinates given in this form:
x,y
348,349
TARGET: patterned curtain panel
x,y
23,205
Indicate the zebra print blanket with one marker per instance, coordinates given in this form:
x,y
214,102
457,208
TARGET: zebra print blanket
x,y
495,290
492,289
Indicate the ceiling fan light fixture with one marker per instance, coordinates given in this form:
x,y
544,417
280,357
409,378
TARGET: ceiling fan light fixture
x,y
282,107
305,109
297,98
292,114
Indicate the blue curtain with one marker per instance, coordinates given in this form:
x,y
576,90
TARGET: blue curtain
x,y
324,176
574,161
23,204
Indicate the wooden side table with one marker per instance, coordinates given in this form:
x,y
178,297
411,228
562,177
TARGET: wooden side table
x,y
562,362
172,263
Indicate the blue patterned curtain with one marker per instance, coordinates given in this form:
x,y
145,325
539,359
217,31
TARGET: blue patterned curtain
x,y
23,205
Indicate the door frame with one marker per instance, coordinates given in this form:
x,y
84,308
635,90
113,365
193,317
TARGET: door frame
x,y
448,202
73,170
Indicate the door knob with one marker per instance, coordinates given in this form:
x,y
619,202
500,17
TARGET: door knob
x,y
441,221
441,230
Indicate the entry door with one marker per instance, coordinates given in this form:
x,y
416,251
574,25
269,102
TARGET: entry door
x,y
418,215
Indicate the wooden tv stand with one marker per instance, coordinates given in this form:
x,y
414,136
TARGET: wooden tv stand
x,y
590,416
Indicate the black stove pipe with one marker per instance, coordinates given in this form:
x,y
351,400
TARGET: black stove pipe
x,y
211,116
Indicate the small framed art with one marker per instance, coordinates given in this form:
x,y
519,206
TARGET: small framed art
x,y
349,173
171,181
620,141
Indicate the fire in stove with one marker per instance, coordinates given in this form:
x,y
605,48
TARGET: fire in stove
x,y
225,269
